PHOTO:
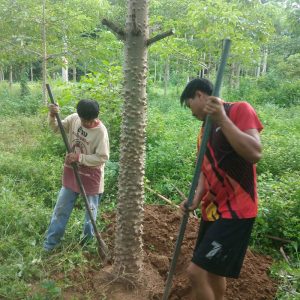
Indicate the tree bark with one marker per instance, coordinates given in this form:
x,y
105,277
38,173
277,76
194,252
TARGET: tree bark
x,y
31,73
237,76
257,73
44,46
234,81
65,62
1,74
166,75
231,79
202,70
65,70
264,62
85,69
155,70
209,66
74,73
10,76
128,242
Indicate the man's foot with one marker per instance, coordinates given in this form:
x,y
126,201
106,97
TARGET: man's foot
x,y
51,249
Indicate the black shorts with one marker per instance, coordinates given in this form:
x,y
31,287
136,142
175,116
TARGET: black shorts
x,y
221,246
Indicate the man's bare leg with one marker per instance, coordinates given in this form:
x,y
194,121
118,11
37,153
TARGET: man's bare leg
x,y
218,285
200,283
206,286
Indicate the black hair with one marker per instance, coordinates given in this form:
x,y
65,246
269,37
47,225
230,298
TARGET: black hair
x,y
88,109
197,84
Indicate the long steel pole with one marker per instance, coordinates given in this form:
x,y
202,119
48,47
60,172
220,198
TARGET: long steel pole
x,y
194,184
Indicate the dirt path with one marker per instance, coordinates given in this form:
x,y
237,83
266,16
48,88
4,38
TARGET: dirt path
x,y
160,231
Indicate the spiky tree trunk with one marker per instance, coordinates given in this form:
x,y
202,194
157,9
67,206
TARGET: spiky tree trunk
x,y
128,242
130,212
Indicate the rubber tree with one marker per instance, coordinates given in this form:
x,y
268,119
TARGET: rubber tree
x,y
128,240
44,51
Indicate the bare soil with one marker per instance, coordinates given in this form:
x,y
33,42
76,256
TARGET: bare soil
x,y
161,227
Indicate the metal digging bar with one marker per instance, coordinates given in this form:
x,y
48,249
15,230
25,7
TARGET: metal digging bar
x,y
194,184
103,249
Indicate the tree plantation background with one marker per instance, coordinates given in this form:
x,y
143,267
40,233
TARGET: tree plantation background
x,y
66,44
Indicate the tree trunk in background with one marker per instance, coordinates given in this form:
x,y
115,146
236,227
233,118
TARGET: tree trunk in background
x,y
85,69
65,70
231,78
264,62
166,75
1,74
234,80
202,71
209,66
65,62
31,73
160,75
130,211
155,70
257,72
74,73
44,62
24,89
10,80
237,76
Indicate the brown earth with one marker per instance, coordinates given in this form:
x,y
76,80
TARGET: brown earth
x,y
161,227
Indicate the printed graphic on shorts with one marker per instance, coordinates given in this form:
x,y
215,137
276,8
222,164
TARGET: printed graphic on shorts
x,y
215,251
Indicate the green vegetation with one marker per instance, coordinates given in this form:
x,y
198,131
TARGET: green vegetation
x,y
30,167
263,68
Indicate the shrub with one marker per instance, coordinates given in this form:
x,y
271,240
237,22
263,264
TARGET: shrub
x,y
268,89
280,139
12,103
171,146
279,213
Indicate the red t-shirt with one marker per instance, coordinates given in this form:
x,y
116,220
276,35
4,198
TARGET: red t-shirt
x,y
229,180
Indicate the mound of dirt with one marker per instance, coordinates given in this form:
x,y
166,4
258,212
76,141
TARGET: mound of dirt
x,y
161,225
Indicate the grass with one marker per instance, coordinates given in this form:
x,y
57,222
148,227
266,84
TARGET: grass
x,y
30,167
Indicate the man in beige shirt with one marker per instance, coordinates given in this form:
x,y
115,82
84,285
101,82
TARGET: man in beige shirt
x,y
89,142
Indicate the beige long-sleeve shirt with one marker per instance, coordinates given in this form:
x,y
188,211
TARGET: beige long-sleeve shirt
x,y
92,146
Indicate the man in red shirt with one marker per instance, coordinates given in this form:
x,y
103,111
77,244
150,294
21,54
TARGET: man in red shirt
x,y
226,188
